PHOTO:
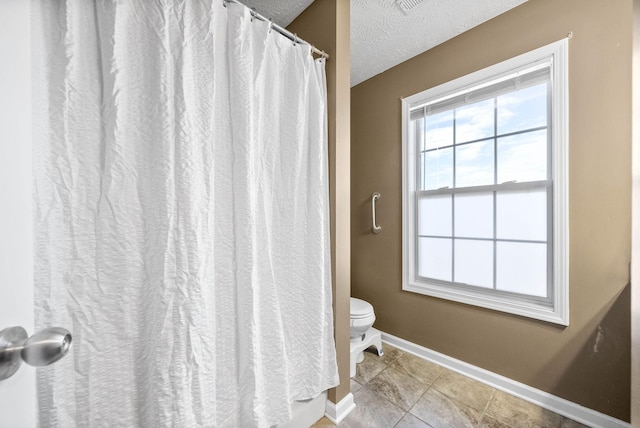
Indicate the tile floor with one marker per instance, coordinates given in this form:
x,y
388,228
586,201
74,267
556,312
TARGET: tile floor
x,y
404,391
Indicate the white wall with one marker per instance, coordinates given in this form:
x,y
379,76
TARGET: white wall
x,y
17,394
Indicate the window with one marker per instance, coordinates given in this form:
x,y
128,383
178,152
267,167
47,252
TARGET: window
x,y
485,187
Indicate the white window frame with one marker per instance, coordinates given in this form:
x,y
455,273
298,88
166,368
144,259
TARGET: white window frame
x,y
558,311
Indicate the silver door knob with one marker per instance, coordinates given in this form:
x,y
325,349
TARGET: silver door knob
x,y
43,348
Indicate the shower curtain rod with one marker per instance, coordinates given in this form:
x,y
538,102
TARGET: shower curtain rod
x,y
291,36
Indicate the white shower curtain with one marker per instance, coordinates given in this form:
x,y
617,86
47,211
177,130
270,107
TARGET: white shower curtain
x,y
181,215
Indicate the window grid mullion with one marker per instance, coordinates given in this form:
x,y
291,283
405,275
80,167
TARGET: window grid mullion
x,y
508,134
418,136
453,205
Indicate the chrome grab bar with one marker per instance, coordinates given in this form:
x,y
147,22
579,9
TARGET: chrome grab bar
x,y
374,197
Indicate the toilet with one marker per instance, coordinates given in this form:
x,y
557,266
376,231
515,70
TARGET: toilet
x,y
363,335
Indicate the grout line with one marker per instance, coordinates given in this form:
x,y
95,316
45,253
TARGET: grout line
x,y
484,412
422,395
388,366
379,395
388,401
435,379
400,420
421,420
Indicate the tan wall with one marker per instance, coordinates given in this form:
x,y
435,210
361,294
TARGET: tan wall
x,y
326,24
589,361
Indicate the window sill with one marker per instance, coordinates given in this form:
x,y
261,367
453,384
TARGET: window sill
x,y
556,314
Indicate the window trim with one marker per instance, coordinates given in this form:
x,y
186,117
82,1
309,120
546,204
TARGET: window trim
x,y
558,312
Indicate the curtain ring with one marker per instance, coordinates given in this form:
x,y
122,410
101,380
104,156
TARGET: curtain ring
x,y
270,24
224,3
295,39
253,13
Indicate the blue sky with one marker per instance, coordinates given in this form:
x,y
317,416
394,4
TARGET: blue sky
x,y
521,157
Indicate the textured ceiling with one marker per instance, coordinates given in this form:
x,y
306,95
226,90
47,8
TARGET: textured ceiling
x,y
382,35
283,12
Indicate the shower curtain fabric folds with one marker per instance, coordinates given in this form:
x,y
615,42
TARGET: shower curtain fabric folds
x,y
181,215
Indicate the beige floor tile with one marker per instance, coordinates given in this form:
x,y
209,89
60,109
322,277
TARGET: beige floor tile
x,y
439,411
385,387
517,413
371,411
398,386
489,422
464,390
569,423
410,421
355,386
323,423
390,354
425,371
369,368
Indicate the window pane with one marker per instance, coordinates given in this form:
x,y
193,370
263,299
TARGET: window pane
x,y
522,268
522,215
434,258
434,215
474,262
524,109
523,157
438,169
475,121
474,215
474,164
439,130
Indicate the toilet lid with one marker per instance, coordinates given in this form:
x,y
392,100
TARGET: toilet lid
x,y
360,308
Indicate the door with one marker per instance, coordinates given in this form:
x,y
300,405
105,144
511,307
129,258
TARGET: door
x,y
17,394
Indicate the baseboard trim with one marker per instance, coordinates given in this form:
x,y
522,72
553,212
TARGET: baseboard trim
x,y
337,412
540,398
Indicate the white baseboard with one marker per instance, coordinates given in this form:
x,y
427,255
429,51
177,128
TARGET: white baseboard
x,y
540,398
337,412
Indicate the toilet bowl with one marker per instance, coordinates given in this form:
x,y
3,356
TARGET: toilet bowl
x,y
363,335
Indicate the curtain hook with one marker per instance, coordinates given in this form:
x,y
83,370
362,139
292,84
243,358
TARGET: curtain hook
x,y
295,39
270,24
224,3
253,13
